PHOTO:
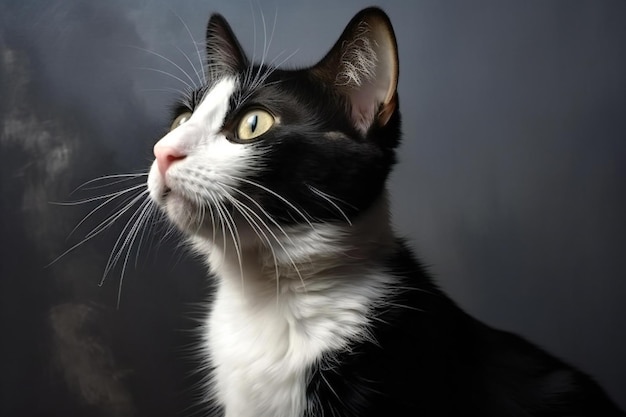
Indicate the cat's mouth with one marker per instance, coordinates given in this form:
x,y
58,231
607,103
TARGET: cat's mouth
x,y
192,215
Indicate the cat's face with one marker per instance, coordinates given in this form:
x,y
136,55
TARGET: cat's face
x,y
258,147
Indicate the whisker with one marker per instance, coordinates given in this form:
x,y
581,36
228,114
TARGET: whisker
x,y
281,198
101,205
241,208
328,199
273,27
249,72
89,236
265,47
284,61
119,243
269,70
130,201
111,184
234,233
189,86
169,61
199,73
264,212
149,215
186,95
223,226
92,199
129,242
195,44
108,177
278,241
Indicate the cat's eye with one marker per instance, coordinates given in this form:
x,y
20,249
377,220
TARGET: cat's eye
x,y
182,118
254,123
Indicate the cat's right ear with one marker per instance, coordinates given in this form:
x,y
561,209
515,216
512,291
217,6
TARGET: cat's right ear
x,y
224,53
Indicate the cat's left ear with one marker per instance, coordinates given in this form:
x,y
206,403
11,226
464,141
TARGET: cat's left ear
x,y
363,67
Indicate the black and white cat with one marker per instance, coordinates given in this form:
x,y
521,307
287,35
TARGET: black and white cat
x,y
278,179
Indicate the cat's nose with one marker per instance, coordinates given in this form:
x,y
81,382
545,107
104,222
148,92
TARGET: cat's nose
x,y
166,156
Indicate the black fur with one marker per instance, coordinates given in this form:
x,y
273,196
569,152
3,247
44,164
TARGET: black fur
x,y
430,358
433,359
298,155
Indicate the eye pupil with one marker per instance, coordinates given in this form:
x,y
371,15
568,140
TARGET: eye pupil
x,y
253,122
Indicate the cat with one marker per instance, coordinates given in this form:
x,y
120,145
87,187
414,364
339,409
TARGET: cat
x,y
277,178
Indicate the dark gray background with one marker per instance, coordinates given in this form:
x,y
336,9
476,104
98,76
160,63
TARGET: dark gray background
x,y
510,185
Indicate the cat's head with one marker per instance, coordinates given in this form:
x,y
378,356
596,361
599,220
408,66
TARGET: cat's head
x,y
260,147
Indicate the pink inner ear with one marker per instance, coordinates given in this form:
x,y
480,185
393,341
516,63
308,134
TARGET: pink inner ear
x,y
363,67
363,106
378,90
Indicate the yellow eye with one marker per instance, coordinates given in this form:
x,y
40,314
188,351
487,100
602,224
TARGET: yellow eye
x,y
254,123
182,118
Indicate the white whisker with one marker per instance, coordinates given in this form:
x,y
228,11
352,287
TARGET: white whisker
x,y
251,87
100,228
271,232
265,47
199,73
100,197
101,205
129,242
169,61
144,229
130,202
258,230
120,243
249,70
264,212
189,86
234,234
203,80
184,95
328,198
278,196
123,177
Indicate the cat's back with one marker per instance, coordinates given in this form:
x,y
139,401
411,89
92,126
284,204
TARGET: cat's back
x,y
431,358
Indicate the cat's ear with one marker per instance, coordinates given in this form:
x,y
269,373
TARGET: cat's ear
x,y
363,66
224,53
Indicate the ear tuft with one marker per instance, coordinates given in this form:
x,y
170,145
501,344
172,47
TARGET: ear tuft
x,y
363,67
358,59
224,53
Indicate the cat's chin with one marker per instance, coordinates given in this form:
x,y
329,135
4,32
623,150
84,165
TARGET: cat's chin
x,y
184,213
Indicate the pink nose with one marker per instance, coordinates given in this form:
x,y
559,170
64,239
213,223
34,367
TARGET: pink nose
x,y
166,156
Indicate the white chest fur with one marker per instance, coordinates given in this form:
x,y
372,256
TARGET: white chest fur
x,y
264,336
262,346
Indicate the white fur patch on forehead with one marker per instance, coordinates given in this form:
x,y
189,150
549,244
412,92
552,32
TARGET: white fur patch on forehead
x,y
214,105
206,120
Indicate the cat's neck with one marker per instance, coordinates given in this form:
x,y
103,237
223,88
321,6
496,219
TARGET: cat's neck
x,y
277,313
303,254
